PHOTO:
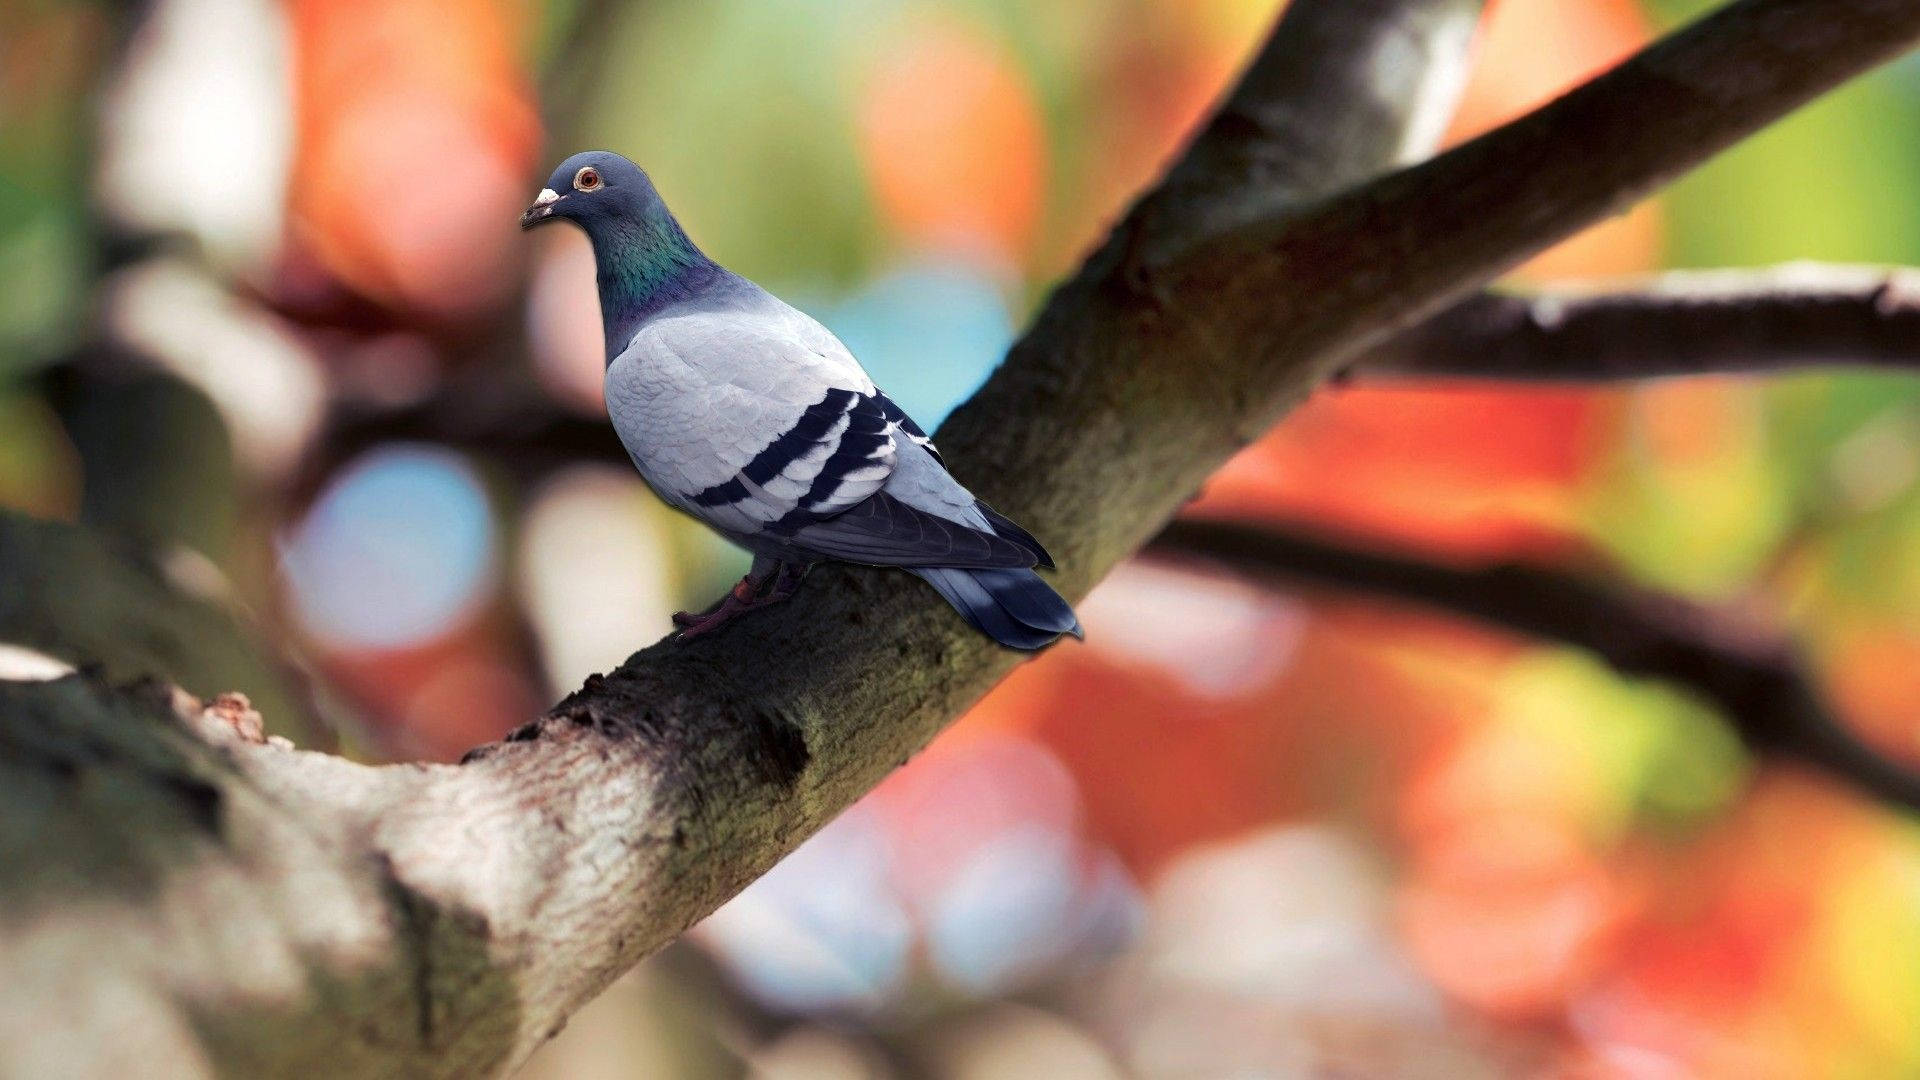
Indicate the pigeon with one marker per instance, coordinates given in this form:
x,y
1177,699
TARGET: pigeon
x,y
748,415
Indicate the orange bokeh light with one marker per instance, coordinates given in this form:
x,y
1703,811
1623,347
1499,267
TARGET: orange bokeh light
x,y
417,135
952,140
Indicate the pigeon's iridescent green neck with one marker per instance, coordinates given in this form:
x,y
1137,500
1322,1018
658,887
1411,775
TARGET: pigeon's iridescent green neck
x,y
643,262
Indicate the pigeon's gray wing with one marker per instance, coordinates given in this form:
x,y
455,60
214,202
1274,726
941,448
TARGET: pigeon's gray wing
x,y
885,531
749,421
765,425
921,517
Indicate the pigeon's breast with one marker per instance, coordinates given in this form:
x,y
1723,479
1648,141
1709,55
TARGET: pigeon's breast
x,y
656,412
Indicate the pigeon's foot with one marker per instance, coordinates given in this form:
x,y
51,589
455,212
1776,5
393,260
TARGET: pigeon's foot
x,y
787,581
751,592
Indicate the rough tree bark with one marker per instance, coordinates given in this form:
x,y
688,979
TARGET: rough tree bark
x,y
185,897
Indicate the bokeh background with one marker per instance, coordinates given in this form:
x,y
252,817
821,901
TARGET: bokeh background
x,y
1237,832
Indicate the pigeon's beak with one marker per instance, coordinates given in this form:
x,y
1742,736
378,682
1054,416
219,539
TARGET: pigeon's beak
x,y
541,210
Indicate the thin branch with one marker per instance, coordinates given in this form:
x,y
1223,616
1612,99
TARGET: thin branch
x,y
1754,678
1695,322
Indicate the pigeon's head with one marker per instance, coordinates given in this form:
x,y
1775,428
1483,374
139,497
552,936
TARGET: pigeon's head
x,y
592,188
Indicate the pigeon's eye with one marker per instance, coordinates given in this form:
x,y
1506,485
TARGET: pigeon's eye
x,y
587,179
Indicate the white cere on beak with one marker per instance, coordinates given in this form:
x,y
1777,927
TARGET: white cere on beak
x,y
546,196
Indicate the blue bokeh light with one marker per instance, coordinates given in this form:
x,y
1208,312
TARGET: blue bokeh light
x,y
929,333
396,549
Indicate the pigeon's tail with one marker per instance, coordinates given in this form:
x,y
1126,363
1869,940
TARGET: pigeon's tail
x,y
1013,607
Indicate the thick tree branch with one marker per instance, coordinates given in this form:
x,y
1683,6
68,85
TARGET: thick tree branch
x,y
521,882
1753,677
1694,322
173,912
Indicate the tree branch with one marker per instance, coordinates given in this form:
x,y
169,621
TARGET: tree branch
x,y
1339,93
508,890
1694,322
1754,678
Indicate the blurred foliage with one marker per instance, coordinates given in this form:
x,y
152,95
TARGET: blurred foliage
x,y
48,54
69,593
